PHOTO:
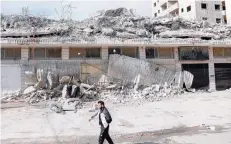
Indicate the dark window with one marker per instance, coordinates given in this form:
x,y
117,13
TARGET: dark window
x,y
114,51
154,4
76,52
182,10
150,53
53,52
84,52
203,5
93,52
155,14
188,8
218,20
221,52
165,53
45,53
160,53
158,11
11,53
217,7
39,53
193,53
204,18
223,7
131,52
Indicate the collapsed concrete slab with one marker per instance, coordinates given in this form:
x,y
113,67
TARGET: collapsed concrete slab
x,y
188,79
127,68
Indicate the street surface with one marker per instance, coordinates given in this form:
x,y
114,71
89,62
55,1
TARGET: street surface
x,y
191,118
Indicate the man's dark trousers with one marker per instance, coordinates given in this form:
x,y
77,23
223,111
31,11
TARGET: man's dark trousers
x,y
105,135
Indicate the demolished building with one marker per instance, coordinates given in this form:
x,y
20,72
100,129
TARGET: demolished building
x,y
83,48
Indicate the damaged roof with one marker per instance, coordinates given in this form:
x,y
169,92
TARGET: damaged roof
x,y
116,25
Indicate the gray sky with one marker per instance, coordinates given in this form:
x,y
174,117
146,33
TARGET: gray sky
x,y
83,8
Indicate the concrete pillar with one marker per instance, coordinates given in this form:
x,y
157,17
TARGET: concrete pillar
x,y
212,82
104,52
176,57
142,53
24,53
104,56
65,52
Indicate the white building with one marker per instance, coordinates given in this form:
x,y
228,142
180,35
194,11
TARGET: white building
x,y
218,11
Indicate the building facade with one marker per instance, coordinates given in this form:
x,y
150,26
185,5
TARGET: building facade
x,y
203,10
209,63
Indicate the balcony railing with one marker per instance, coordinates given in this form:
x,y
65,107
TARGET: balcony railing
x,y
173,7
162,2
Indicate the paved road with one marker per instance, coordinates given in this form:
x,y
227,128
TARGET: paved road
x,y
179,135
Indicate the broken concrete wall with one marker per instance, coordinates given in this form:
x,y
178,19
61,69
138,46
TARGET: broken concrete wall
x,y
127,68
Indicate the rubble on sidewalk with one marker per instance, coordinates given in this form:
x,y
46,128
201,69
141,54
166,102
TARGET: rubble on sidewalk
x,y
47,88
128,79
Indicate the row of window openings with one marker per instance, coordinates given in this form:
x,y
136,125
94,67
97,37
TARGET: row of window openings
x,y
42,53
203,6
55,53
216,6
218,20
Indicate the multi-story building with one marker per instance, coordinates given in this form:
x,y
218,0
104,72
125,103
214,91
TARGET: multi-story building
x,y
218,11
209,62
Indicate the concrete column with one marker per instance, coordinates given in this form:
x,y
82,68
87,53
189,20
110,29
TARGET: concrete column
x,y
104,52
212,82
65,52
142,53
176,57
24,53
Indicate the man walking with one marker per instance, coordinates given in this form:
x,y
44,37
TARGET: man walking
x,y
104,121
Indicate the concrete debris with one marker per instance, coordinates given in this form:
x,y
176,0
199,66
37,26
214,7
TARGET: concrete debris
x,y
56,107
52,80
118,12
188,79
114,24
108,32
41,79
103,80
111,86
39,85
152,93
86,86
30,78
136,82
65,79
64,92
29,90
63,104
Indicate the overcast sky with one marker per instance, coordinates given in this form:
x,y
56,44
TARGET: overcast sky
x,y
82,8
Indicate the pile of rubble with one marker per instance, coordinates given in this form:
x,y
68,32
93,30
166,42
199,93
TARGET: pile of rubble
x,y
118,23
67,92
122,94
128,79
